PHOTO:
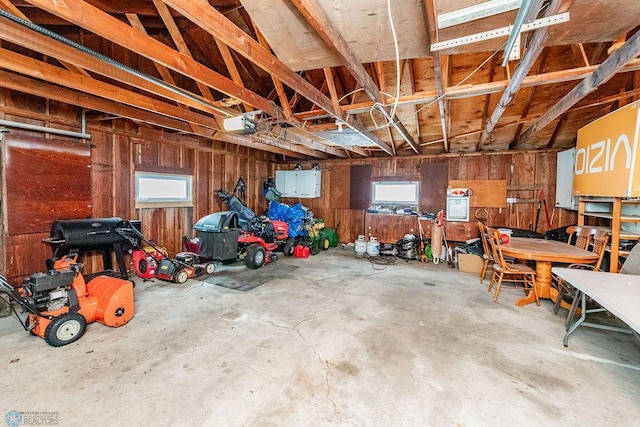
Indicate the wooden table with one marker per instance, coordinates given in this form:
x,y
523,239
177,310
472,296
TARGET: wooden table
x,y
544,252
617,293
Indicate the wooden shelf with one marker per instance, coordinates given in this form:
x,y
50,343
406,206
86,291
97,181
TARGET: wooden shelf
x,y
610,208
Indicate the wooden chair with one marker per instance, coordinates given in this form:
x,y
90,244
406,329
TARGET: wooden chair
x,y
508,272
487,256
580,237
598,239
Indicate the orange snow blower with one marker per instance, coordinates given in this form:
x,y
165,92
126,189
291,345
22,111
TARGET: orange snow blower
x,y
60,304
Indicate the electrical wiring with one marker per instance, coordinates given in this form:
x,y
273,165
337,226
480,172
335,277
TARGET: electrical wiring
x,y
397,50
391,123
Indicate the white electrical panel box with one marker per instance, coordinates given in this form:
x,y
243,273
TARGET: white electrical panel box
x,y
298,183
564,180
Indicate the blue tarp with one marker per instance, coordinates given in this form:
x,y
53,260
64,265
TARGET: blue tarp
x,y
292,215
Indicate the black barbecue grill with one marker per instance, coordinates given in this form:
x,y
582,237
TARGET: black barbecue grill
x,y
94,234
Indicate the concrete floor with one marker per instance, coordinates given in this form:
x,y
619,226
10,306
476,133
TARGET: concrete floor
x,y
338,342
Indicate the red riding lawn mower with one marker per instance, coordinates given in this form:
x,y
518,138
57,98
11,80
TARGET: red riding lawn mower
x,y
151,261
220,237
60,303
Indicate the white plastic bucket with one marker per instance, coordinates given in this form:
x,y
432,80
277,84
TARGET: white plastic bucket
x,y
373,246
360,245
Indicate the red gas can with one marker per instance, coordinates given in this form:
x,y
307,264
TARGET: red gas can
x,y
301,251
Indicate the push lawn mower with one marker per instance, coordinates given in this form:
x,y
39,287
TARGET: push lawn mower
x,y
151,261
60,304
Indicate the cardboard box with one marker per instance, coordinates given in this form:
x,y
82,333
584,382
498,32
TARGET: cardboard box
x,y
470,263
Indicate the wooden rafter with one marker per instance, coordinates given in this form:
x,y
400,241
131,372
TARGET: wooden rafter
x,y
319,20
95,20
532,91
17,34
38,69
601,75
11,8
469,91
487,98
534,50
556,131
208,18
177,38
437,67
316,16
279,87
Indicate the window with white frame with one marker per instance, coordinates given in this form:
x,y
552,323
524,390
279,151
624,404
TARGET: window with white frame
x,y
395,193
158,189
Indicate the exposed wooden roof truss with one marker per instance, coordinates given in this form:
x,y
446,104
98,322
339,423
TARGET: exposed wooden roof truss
x,y
326,79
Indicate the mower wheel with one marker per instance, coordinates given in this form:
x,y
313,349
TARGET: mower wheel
x,y
324,243
65,329
142,267
289,247
182,276
256,256
314,249
209,268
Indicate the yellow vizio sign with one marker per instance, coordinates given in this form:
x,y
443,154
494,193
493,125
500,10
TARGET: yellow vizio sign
x,y
606,155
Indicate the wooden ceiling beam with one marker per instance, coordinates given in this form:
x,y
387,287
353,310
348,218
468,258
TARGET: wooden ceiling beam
x,y
430,7
532,91
42,89
472,90
556,130
602,74
9,7
534,50
22,36
279,87
202,14
177,38
104,25
42,70
316,16
274,146
320,21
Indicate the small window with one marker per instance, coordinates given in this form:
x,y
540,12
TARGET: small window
x,y
154,189
395,193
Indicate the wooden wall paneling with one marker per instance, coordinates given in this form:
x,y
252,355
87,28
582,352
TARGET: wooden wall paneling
x,y
149,153
545,161
187,157
357,225
253,182
433,185
383,168
123,171
26,254
203,190
170,155
46,180
360,186
478,167
230,171
102,200
101,175
339,185
217,182
499,168
523,175
458,168
409,167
